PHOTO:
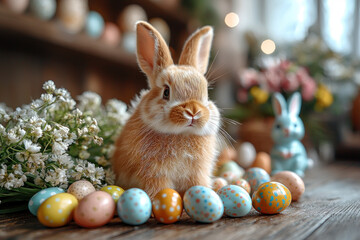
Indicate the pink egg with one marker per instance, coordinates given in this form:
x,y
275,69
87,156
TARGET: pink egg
x,y
111,34
219,183
80,189
95,210
292,181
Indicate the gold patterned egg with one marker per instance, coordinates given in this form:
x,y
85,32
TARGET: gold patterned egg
x,y
57,210
114,191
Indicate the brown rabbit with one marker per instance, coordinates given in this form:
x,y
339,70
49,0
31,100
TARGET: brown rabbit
x,y
170,141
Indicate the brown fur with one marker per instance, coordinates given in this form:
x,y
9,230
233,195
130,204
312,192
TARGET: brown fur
x,y
169,143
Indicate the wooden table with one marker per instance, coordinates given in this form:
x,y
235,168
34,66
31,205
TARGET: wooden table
x,y
329,209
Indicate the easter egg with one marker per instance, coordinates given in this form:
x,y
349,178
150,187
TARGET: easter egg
x,y
81,188
255,177
236,200
36,200
202,204
72,14
231,167
246,154
292,181
218,183
229,176
43,9
134,206
18,6
114,191
129,16
271,198
111,34
262,160
94,25
167,206
129,42
57,211
95,210
242,183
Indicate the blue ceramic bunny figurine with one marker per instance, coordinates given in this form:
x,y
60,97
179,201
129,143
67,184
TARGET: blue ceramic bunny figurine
x,y
288,153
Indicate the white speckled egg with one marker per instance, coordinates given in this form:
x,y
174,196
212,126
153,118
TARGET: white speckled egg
x,y
292,181
134,206
246,154
114,191
72,14
236,200
81,188
40,197
203,204
129,16
43,9
255,177
218,183
18,6
57,210
95,210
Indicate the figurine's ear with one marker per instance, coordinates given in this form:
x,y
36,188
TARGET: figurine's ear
x,y
295,104
279,104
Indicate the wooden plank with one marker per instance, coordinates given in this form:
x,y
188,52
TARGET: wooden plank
x,y
330,209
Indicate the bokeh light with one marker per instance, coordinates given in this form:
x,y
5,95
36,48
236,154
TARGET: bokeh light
x,y
268,46
231,19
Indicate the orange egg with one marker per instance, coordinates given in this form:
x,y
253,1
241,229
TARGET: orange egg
x,y
262,160
271,198
167,206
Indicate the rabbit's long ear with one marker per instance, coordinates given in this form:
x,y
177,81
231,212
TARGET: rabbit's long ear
x,y
279,104
295,104
153,54
196,50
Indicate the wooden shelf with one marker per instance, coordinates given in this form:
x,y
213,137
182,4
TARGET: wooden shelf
x,y
50,33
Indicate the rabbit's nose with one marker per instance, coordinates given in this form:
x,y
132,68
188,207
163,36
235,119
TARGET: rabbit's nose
x,y
189,114
286,131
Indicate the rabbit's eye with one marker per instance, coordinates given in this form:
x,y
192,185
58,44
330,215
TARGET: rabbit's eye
x,y
295,125
278,126
166,94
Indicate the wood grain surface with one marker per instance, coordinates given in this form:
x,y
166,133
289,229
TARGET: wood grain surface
x,y
329,209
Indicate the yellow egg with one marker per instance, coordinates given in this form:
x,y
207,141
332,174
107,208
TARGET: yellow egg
x,y
57,210
114,191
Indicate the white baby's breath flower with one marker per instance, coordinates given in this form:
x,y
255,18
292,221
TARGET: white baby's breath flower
x,y
84,154
2,129
59,147
47,98
49,86
17,169
110,151
102,161
31,147
37,132
89,101
12,136
56,177
63,160
98,140
47,128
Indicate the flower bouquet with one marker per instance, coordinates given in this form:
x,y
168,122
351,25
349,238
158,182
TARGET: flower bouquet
x,y
55,141
254,91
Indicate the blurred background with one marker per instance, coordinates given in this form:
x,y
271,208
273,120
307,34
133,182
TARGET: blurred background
x,y
260,47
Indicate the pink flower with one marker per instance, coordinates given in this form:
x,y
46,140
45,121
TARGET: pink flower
x,y
291,82
242,95
308,89
249,78
273,78
302,74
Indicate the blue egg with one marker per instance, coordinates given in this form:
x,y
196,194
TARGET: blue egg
x,y
255,177
94,24
134,206
203,204
236,200
43,9
40,197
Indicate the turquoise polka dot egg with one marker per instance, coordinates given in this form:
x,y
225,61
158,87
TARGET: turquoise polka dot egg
x,y
255,177
40,197
203,204
134,206
236,200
